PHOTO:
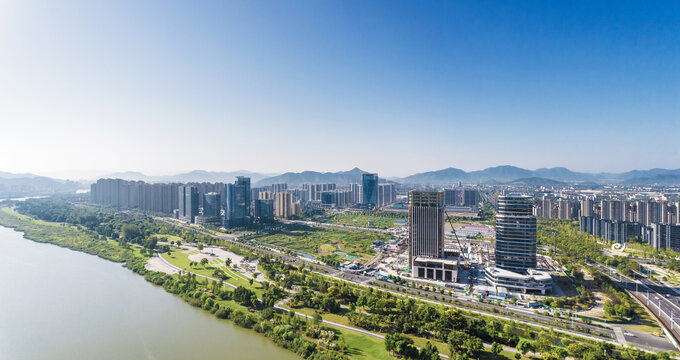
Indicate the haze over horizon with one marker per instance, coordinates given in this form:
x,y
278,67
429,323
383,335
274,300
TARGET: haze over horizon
x,y
392,87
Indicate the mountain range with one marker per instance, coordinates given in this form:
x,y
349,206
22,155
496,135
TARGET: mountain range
x,y
508,174
12,185
29,184
192,176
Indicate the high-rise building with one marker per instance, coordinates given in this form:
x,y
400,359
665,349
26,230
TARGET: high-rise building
x,y
515,233
563,209
587,207
369,186
386,195
284,205
279,187
355,190
427,256
266,195
665,236
426,224
653,213
470,197
188,200
547,207
264,210
212,203
237,204
450,197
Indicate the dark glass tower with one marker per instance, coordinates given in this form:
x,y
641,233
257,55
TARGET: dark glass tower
x,y
369,184
237,202
211,204
515,233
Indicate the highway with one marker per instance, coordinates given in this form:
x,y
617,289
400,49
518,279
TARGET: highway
x,y
661,300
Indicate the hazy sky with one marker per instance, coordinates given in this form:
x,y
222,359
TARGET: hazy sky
x,y
394,87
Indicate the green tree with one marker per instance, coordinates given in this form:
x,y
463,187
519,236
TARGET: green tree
x,y
131,231
496,348
227,262
204,261
524,346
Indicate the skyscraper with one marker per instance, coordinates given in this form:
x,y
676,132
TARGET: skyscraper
x,y
211,204
369,186
426,237
188,202
515,233
426,224
237,202
264,210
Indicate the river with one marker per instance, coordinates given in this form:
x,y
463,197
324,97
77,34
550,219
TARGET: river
x,y
57,303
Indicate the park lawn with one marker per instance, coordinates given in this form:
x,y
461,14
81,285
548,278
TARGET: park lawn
x,y
364,347
336,318
321,241
378,220
181,260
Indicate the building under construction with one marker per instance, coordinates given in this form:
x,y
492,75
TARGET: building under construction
x,y
428,258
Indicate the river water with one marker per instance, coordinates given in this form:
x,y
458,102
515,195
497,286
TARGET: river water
x,y
57,303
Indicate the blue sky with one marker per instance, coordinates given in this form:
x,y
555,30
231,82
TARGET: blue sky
x,y
388,86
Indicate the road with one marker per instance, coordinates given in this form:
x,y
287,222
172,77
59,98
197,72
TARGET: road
x,y
661,300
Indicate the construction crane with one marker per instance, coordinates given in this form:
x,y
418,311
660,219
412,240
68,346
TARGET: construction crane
x,y
466,265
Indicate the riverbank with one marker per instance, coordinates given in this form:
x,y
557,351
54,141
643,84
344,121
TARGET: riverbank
x,y
60,304
292,333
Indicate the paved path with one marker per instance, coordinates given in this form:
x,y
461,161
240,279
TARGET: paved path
x,y
619,336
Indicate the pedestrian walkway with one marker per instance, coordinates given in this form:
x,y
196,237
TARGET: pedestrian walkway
x,y
619,336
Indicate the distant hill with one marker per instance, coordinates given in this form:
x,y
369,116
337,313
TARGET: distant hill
x,y
436,177
537,181
192,176
662,179
16,185
294,179
508,173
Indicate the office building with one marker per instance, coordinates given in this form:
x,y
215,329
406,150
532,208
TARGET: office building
x,y
427,256
369,186
515,233
212,203
211,214
264,210
237,204
188,203
515,253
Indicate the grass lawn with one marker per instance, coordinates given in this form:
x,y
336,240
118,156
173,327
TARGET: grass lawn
x,y
321,241
378,220
181,260
364,347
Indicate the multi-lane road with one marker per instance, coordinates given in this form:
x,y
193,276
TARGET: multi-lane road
x,y
661,300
